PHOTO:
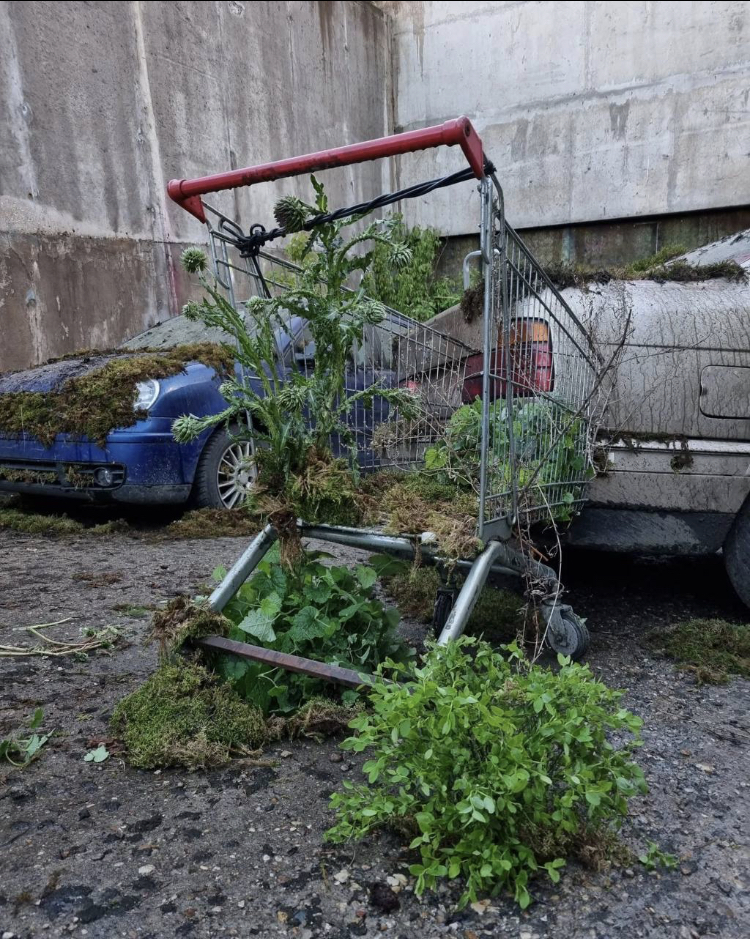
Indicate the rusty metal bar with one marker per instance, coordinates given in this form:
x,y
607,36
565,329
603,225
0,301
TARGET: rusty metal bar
x,y
292,663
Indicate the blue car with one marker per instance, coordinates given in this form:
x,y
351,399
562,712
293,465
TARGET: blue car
x,y
143,463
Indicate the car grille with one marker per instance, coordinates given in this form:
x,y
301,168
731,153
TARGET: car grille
x,y
63,476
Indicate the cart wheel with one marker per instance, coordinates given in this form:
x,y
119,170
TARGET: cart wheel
x,y
567,633
446,597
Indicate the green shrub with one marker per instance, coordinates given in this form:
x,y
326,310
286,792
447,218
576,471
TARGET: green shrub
x,y
496,767
323,613
411,288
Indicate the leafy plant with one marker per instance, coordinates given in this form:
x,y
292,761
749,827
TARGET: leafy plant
x,y
549,451
324,613
654,857
495,766
21,750
296,413
411,288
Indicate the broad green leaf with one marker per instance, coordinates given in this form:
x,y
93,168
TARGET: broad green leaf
x,y
258,624
366,576
98,755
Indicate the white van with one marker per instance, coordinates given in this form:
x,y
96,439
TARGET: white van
x,y
673,474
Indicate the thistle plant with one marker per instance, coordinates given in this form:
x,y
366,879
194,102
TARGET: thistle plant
x,y
294,414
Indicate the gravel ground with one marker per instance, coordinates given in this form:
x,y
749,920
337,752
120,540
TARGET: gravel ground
x,y
105,850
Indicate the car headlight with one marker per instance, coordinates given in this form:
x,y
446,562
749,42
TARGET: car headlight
x,y
147,393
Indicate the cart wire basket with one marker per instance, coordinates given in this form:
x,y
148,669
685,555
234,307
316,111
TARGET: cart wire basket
x,y
529,382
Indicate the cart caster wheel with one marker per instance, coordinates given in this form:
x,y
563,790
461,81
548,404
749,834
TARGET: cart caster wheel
x,y
567,633
446,597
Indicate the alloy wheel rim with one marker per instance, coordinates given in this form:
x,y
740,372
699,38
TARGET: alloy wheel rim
x,y
236,473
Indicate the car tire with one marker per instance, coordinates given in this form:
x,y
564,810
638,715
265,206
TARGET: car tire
x,y
737,553
224,471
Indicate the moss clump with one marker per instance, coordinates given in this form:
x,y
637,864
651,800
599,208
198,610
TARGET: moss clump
x,y
318,718
34,523
656,260
413,503
712,649
324,492
214,523
472,303
184,716
183,619
653,268
94,404
683,272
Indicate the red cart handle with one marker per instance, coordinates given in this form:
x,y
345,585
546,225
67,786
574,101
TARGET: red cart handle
x,y
187,192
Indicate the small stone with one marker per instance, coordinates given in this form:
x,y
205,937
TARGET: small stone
x,y
9,935
628,872
285,753
17,793
241,904
84,814
480,907
336,757
146,869
341,877
384,898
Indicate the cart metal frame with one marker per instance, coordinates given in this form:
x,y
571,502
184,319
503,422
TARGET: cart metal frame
x,y
538,374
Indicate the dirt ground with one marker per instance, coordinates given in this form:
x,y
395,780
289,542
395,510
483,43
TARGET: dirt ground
x,y
103,850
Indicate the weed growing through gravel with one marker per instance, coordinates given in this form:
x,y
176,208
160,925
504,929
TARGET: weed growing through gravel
x,y
498,768
711,649
20,748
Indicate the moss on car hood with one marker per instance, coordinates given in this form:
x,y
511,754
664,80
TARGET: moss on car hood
x,y
94,403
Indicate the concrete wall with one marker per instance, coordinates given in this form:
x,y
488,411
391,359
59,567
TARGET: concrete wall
x,y
591,110
101,103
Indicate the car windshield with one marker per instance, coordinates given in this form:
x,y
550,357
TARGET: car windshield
x,y
177,331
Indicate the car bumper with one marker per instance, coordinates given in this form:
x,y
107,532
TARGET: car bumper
x,y
147,467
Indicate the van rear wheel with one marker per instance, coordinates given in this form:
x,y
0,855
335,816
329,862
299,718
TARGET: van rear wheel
x,y
737,553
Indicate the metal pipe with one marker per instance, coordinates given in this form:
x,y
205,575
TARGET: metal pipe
x,y
466,265
467,598
242,569
486,251
366,539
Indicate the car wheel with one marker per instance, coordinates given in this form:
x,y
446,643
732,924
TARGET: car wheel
x,y
225,473
737,553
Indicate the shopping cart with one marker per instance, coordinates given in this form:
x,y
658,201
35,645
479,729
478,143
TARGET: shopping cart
x,y
531,378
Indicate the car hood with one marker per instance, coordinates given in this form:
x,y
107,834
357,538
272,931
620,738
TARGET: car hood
x,y
50,377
